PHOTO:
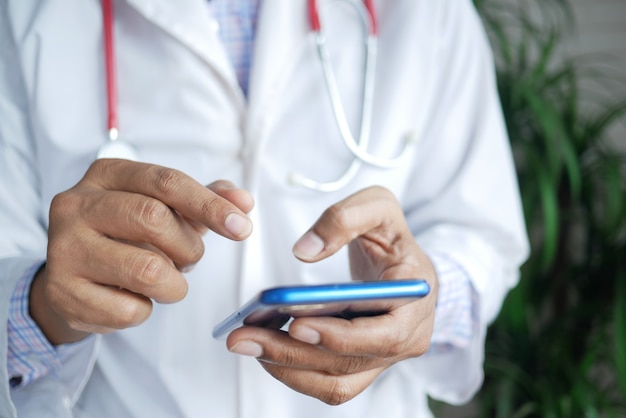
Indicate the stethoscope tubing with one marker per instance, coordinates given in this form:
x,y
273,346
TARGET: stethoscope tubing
x,y
358,147
111,73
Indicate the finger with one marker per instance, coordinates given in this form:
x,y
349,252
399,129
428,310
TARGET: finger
x,y
226,189
277,347
141,219
239,197
117,264
402,333
90,307
331,389
175,189
372,209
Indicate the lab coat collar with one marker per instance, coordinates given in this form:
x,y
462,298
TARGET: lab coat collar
x,y
282,30
281,33
188,22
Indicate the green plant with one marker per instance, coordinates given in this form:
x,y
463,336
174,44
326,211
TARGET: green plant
x,y
558,348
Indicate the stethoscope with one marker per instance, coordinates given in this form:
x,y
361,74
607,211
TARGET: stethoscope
x,y
116,148
113,147
358,147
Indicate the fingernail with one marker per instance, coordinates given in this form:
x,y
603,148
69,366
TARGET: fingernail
x,y
187,268
247,348
306,335
309,246
238,225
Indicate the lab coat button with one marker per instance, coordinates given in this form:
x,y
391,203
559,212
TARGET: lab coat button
x,y
15,381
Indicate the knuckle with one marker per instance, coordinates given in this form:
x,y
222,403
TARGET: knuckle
x,y
67,254
337,393
166,180
63,202
149,270
176,290
209,207
152,216
337,214
196,252
97,167
287,356
127,315
350,365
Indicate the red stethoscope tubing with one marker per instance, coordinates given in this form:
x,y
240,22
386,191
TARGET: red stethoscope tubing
x,y
316,25
110,69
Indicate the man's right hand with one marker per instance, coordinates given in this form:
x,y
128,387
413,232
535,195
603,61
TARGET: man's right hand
x,y
120,238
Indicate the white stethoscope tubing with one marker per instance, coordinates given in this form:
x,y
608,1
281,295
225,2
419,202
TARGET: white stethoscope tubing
x,y
358,148
331,186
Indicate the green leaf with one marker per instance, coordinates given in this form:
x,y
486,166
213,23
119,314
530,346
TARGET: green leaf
x,y
553,132
526,410
549,205
507,370
614,194
620,329
505,399
573,169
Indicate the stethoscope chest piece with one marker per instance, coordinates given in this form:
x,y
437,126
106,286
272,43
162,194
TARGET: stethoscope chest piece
x,y
117,149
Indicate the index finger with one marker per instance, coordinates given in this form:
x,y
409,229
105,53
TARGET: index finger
x,y
174,188
373,211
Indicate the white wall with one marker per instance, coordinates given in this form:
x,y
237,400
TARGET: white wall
x,y
601,29
600,36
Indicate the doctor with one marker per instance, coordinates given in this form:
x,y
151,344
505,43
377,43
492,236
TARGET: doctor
x,y
235,177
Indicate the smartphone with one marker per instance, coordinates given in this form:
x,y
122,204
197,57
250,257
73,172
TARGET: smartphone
x,y
276,306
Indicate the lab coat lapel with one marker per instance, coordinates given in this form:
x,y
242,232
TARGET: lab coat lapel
x,y
188,22
281,35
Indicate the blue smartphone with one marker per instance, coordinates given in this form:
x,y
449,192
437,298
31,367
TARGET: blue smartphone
x,y
276,306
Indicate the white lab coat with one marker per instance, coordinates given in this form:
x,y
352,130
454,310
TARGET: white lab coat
x,y
181,107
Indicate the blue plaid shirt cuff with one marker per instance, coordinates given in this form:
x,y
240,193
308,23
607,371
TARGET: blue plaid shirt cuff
x,y
30,355
456,317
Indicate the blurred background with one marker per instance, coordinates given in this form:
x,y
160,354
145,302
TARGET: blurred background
x,y
558,348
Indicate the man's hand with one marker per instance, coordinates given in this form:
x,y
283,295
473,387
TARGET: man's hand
x,y
335,359
120,239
